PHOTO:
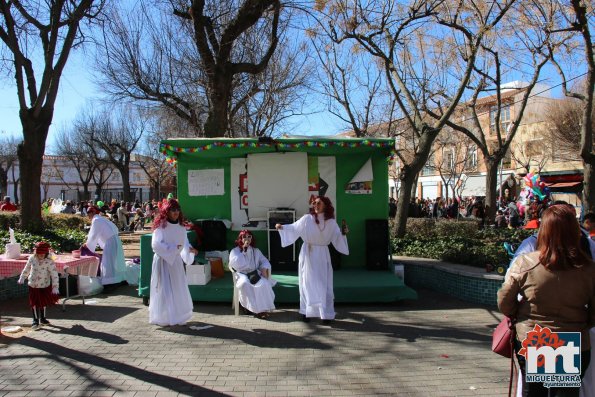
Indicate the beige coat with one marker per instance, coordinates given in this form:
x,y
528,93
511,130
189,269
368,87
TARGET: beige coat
x,y
564,301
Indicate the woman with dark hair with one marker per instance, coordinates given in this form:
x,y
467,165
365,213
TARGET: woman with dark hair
x,y
253,273
170,303
557,287
317,229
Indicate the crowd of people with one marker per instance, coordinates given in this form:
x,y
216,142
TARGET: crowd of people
x,y
127,215
509,212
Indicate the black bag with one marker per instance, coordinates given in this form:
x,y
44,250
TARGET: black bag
x,y
253,276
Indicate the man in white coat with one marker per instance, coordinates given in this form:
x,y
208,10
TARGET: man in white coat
x,y
104,234
315,273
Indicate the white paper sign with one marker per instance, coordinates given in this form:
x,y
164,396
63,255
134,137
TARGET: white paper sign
x,y
206,182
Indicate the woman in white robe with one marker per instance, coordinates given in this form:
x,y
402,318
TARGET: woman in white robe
x,y
258,298
170,301
315,273
104,234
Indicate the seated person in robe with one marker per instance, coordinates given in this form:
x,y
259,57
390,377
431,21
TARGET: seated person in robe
x,y
253,276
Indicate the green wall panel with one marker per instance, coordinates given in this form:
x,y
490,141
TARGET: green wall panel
x,y
354,208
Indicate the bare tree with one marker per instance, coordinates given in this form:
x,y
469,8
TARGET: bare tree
x,y
54,28
523,50
117,135
575,23
74,147
453,162
8,157
530,155
427,51
205,80
153,163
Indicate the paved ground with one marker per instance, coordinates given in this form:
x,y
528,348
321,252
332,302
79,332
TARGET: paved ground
x,y
435,346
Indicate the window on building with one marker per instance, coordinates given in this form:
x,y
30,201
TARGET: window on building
x,y
429,167
504,119
449,160
136,177
472,158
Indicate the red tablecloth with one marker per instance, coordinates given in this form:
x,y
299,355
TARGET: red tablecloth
x,y
14,267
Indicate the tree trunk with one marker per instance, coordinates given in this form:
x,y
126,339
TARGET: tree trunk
x,y
86,193
3,183
30,153
125,172
588,188
408,178
219,98
491,165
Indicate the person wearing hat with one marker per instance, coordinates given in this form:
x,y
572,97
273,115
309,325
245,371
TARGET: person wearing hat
x,y
104,234
7,205
42,278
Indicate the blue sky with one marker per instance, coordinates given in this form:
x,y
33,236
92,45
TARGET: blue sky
x,y
77,88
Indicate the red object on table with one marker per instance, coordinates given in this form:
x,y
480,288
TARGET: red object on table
x,y
14,267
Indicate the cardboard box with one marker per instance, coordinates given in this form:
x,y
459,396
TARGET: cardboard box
x,y
198,274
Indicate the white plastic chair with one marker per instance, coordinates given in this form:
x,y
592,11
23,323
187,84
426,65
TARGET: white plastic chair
x,y
235,301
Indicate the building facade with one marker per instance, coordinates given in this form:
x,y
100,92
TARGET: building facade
x,y
456,165
60,179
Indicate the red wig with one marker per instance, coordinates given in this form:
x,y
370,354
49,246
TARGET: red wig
x,y
240,242
93,210
329,210
164,207
558,241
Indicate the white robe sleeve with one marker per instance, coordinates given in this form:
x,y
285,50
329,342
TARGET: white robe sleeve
x,y
339,240
167,252
261,260
93,237
290,233
187,256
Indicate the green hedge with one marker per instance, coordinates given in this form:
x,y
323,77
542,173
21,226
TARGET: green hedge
x,y
456,241
61,240
51,221
63,232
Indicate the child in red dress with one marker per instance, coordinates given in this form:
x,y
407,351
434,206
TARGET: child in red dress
x,y
42,277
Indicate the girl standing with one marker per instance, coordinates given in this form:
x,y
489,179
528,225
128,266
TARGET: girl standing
x,y
42,277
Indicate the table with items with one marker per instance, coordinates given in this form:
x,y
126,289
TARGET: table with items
x,y
65,264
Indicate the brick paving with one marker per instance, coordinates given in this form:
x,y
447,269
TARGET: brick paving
x,y
435,346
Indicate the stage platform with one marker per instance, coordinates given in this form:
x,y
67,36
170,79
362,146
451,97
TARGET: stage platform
x,y
350,286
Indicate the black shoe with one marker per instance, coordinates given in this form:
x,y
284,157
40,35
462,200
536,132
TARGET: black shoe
x,y
327,322
305,319
44,321
35,325
245,311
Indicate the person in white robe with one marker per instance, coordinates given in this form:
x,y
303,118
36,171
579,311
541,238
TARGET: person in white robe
x,y
245,259
170,302
315,273
104,234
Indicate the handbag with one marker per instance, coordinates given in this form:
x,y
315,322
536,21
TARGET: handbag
x,y
253,276
503,337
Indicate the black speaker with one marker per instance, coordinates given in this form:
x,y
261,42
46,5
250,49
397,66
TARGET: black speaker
x,y
377,244
281,258
214,235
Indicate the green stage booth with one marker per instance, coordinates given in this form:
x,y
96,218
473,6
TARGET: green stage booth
x,y
353,172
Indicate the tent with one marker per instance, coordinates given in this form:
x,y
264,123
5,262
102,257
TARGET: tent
x,y
239,180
